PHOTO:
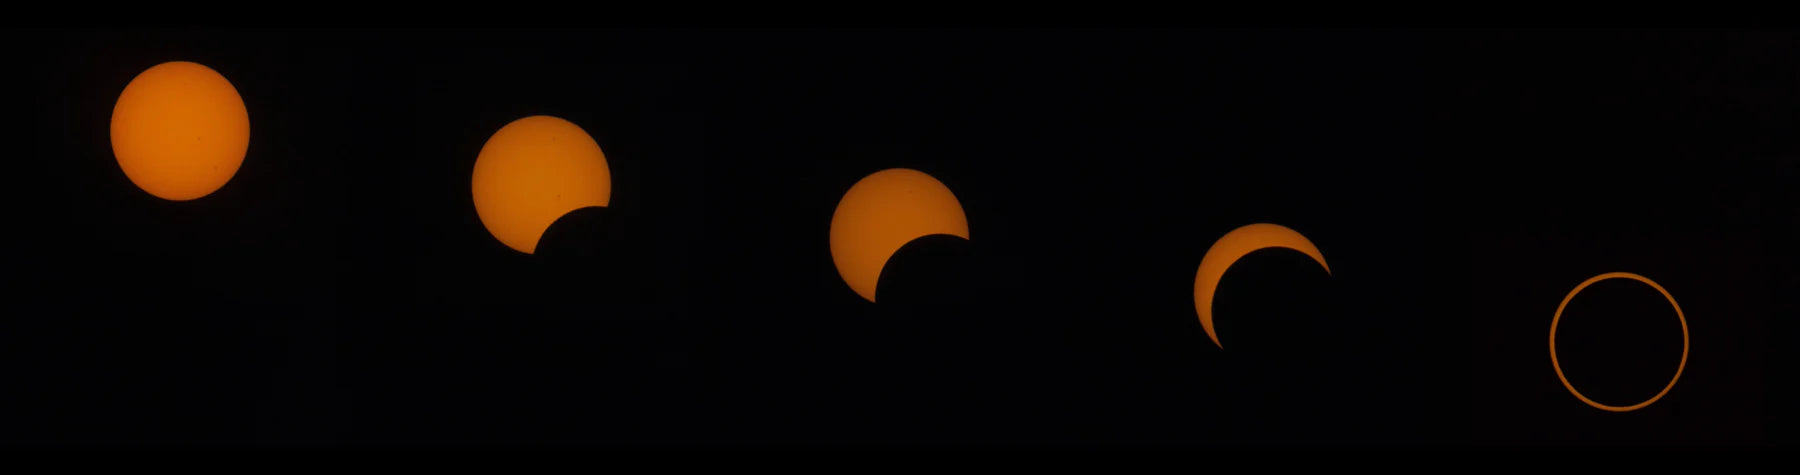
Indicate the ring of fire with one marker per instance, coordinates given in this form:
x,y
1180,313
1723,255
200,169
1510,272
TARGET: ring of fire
x,y
1558,318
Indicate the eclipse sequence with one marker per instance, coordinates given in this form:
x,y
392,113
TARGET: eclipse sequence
x,y
537,169
939,237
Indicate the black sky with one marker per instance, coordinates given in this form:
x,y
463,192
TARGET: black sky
x,y
341,290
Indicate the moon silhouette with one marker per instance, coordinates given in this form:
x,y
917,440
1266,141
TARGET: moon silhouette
x,y
1554,363
180,131
1233,246
881,213
532,172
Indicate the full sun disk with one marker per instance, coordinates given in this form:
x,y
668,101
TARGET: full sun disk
x,y
180,131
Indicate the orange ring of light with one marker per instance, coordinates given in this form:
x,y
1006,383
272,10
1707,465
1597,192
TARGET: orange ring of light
x,y
1565,303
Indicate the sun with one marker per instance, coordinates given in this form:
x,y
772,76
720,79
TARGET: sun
x,y
531,173
1557,364
1233,246
883,212
180,131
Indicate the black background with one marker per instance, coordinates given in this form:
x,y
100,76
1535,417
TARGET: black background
x,y
340,289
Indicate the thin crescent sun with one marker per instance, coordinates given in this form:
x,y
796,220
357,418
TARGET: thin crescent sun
x,y
1233,246
883,212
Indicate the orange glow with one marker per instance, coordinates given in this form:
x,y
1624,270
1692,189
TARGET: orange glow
x,y
1558,318
531,173
883,212
180,131
1234,246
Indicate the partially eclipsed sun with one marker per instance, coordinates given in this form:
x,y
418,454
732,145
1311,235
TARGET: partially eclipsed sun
x,y
531,173
883,212
180,131
1233,246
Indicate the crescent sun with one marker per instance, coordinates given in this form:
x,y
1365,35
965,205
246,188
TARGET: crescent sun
x,y
1233,246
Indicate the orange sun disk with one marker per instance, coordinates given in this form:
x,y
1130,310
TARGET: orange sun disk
x,y
180,131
